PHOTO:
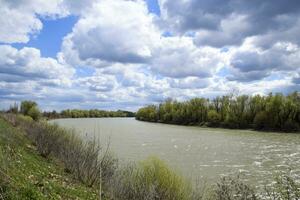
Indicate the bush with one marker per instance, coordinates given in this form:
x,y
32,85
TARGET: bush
x,y
233,189
290,125
261,120
284,188
26,106
34,113
214,118
151,179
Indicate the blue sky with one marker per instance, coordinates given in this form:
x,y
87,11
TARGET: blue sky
x,y
49,39
125,54
153,7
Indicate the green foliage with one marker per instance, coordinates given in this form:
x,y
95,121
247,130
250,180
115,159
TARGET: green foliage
x,y
166,183
148,113
26,106
80,158
30,108
26,175
272,112
34,113
261,120
213,117
151,179
76,113
229,188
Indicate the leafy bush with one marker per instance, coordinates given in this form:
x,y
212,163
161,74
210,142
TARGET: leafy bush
x,y
214,118
151,179
34,113
26,106
261,120
229,188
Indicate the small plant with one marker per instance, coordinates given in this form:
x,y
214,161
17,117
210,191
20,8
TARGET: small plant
x,y
229,188
284,188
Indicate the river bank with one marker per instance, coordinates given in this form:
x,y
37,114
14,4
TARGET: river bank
x,y
148,179
27,175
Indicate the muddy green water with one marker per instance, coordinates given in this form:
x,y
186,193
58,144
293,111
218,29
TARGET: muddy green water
x,y
204,153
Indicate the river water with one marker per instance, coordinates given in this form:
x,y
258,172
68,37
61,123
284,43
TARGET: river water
x,y
197,153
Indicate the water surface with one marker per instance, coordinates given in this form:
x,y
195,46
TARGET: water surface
x,y
205,153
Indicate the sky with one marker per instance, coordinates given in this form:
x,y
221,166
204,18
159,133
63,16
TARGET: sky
x,y
124,54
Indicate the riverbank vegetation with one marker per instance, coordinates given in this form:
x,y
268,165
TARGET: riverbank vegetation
x,y
43,161
30,108
275,112
93,113
24,174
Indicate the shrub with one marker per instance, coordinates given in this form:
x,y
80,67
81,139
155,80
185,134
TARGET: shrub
x,y
233,189
151,179
290,125
214,118
34,113
261,120
284,188
47,138
26,106
88,161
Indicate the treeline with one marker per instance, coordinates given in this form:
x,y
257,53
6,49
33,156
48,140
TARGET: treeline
x,y
30,108
93,113
273,112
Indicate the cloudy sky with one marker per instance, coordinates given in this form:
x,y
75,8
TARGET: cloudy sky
x,y
112,54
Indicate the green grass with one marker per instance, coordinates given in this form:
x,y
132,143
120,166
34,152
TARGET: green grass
x,y
24,174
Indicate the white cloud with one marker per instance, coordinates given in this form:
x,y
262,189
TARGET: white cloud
x,y
28,64
112,31
179,57
20,19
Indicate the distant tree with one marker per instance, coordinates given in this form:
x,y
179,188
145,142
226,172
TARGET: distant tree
x,y
214,118
272,112
34,113
30,108
26,106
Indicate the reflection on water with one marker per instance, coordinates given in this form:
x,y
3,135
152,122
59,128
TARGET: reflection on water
x,y
197,152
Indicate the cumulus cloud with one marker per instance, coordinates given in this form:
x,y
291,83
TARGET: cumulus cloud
x,y
20,19
255,64
28,64
123,32
190,83
178,57
229,22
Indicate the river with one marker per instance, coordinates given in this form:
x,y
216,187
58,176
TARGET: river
x,y
197,153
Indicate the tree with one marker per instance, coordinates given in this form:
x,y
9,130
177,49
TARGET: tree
x,y
213,118
273,112
26,106
34,113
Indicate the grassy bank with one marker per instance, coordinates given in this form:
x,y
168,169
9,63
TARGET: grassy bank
x,y
27,175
